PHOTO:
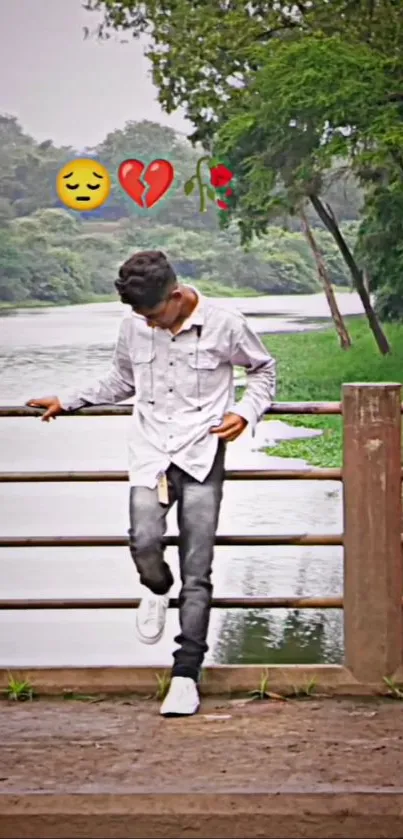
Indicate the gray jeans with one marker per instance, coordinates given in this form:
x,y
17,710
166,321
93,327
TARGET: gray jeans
x,y
198,512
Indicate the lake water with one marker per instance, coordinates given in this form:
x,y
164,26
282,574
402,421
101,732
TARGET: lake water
x,y
42,349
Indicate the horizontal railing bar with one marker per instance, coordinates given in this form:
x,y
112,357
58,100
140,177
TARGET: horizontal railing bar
x,y
218,603
311,474
324,408
122,541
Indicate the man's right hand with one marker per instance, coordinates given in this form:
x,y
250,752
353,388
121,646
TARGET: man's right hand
x,y
52,405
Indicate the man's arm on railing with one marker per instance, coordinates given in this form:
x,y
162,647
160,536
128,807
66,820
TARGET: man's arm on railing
x,y
116,386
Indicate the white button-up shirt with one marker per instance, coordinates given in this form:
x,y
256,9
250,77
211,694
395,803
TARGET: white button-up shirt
x,y
184,384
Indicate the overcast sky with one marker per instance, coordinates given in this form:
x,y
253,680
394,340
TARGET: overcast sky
x,y
64,88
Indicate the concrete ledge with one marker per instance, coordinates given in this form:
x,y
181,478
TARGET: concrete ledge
x,y
226,679
115,768
272,813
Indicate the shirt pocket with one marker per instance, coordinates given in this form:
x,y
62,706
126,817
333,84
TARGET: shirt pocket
x,y
206,373
143,368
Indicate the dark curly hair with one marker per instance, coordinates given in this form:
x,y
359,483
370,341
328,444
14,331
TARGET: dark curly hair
x,y
145,280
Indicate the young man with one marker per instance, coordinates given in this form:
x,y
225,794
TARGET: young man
x,y
176,352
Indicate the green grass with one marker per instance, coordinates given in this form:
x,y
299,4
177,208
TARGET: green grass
x,y
214,289
311,367
19,690
163,685
25,304
48,304
394,689
262,691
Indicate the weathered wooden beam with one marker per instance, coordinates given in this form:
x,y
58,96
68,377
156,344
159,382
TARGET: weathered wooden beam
x,y
372,530
133,603
309,474
122,541
324,408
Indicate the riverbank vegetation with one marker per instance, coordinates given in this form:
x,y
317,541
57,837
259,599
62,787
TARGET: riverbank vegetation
x,y
312,368
51,255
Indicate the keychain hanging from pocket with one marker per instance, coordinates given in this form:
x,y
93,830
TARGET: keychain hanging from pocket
x,y
162,488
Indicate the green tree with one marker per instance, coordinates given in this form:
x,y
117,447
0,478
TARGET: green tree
x,y
208,56
60,223
6,211
13,273
27,169
204,51
101,255
35,267
33,247
149,141
314,101
379,246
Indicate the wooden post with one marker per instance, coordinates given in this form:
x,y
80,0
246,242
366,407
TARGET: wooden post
x,y
372,530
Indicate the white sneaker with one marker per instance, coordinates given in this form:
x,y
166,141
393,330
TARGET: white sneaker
x,y
150,618
182,699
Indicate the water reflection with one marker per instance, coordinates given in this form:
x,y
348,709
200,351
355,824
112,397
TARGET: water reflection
x,y
296,636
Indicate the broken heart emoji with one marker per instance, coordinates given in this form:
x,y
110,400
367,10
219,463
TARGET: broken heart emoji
x,y
147,187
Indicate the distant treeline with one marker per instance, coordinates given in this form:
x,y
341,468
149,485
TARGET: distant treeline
x,y
49,254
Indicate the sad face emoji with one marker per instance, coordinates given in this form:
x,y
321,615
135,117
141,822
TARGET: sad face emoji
x,y
83,184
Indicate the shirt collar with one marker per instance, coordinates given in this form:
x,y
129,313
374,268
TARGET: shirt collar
x,y
197,316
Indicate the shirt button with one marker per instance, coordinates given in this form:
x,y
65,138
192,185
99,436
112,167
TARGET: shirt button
x,y
171,390
173,339
170,363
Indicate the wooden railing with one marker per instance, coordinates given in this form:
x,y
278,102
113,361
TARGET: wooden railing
x,y
372,540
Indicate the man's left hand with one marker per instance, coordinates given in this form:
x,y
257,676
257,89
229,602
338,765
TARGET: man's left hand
x,y
231,427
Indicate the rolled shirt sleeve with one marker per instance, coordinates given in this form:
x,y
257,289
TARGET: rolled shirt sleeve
x,y
249,352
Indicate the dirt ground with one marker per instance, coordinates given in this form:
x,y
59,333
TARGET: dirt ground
x,y
75,745
123,746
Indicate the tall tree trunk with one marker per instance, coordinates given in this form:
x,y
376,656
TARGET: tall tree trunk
x,y
328,219
341,329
